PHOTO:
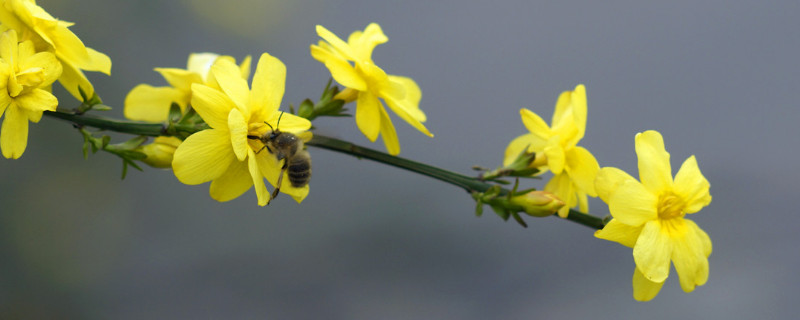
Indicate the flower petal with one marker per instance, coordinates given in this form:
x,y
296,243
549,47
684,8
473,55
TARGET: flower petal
x,y
37,100
582,168
562,187
230,80
340,69
212,105
238,133
179,78
689,256
389,134
289,122
14,133
525,142
643,289
203,156
231,184
368,115
269,84
692,186
258,180
654,168
535,124
632,203
99,62
401,107
200,63
556,159
363,43
72,78
619,232
412,96
335,42
652,252
148,103
608,181
49,64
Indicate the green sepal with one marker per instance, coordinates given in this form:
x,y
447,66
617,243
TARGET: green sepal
x,y
519,219
174,114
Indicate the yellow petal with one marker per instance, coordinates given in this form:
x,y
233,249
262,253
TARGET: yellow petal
x,y
619,232
401,109
556,158
340,69
535,124
49,64
203,156
522,143
571,108
562,187
412,96
582,168
244,67
238,133
368,115
9,47
632,203
364,42
148,103
608,180
230,80
72,78
231,184
389,134
212,105
14,133
652,252
37,100
335,42
289,122
643,289
99,62
654,168
692,186
689,257
269,84
258,180
200,63
179,78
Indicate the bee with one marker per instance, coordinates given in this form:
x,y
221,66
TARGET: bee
x,y
288,147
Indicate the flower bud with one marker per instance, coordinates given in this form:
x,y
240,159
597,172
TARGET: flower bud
x,y
159,153
538,203
348,95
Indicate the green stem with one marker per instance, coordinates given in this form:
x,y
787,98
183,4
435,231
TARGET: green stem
x,y
467,183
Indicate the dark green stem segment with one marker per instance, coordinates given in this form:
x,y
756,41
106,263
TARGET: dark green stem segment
x,y
469,184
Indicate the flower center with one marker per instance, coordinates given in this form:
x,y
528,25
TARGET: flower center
x,y
670,206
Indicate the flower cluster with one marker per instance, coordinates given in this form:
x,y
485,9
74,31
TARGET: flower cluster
x,y
37,49
556,148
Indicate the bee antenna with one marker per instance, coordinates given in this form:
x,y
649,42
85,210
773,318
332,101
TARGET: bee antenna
x,y
279,119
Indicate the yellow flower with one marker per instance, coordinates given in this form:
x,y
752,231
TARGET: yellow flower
x,y
574,167
366,82
223,154
148,103
25,77
51,34
649,217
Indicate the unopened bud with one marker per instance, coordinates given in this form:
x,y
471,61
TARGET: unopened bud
x,y
159,153
348,95
538,203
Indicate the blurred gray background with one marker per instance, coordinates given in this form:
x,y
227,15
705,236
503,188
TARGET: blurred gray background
x,y
717,78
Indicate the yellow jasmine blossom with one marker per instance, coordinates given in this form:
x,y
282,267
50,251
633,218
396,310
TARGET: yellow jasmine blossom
x,y
148,103
366,82
574,167
53,35
25,77
648,216
223,154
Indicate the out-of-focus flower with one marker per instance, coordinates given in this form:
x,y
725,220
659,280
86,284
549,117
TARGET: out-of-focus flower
x,y
366,82
148,103
25,77
50,34
574,167
648,216
223,154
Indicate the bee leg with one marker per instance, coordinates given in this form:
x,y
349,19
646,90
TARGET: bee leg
x,y
280,180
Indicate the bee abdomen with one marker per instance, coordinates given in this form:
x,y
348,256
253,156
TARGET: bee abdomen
x,y
299,171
